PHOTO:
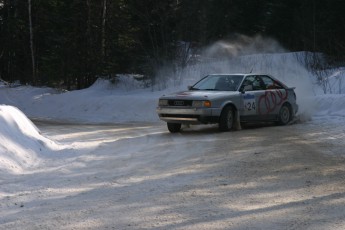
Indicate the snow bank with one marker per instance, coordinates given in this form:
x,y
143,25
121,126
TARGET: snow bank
x,y
3,84
121,82
103,102
20,141
335,83
330,105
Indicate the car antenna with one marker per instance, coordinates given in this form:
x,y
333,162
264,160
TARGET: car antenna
x,y
251,70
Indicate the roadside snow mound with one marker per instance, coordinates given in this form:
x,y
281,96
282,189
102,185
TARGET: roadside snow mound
x,y
20,141
122,82
336,82
331,105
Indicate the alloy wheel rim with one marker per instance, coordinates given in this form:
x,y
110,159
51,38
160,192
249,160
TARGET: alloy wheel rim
x,y
229,120
285,116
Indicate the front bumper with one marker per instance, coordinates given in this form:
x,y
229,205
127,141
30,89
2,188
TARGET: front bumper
x,y
189,115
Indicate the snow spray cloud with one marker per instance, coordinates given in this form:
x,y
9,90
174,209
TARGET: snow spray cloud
x,y
243,54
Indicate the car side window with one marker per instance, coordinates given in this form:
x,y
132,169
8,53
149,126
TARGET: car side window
x,y
247,84
270,83
258,83
253,83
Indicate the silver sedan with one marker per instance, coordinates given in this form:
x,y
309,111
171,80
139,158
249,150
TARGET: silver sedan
x,y
229,100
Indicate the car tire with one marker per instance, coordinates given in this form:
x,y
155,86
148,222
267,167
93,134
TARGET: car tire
x,y
284,115
174,127
226,119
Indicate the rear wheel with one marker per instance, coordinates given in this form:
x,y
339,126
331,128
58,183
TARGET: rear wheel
x,y
174,127
226,120
284,115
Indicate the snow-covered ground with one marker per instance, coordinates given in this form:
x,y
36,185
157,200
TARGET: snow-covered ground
x,y
24,150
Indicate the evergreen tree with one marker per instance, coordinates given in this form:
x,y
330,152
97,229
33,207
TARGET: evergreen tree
x,y
72,42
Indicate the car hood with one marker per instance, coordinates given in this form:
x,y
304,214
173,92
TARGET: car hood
x,y
199,95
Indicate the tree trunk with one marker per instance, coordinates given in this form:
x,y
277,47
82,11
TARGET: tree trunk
x,y
32,44
104,15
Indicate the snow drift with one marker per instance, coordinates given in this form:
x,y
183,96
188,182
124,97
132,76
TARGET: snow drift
x,y
21,143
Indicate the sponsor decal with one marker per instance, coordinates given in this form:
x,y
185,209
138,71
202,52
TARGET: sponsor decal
x,y
272,100
248,96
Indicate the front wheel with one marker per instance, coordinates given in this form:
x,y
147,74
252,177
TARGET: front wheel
x,y
174,127
284,115
226,120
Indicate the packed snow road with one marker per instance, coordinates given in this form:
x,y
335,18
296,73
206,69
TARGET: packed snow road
x,y
139,176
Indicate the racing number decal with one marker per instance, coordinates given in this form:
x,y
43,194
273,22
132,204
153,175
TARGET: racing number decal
x,y
249,104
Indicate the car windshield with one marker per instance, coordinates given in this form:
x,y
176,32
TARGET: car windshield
x,y
219,83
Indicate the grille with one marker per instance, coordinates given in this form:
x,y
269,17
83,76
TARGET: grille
x,y
180,103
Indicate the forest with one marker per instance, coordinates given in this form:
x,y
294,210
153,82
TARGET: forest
x,y
71,43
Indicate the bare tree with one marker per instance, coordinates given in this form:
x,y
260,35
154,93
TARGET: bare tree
x,y
104,15
32,43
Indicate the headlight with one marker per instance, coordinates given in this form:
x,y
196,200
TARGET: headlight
x,y
201,104
162,102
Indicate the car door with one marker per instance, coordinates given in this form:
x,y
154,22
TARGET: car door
x,y
269,104
253,89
